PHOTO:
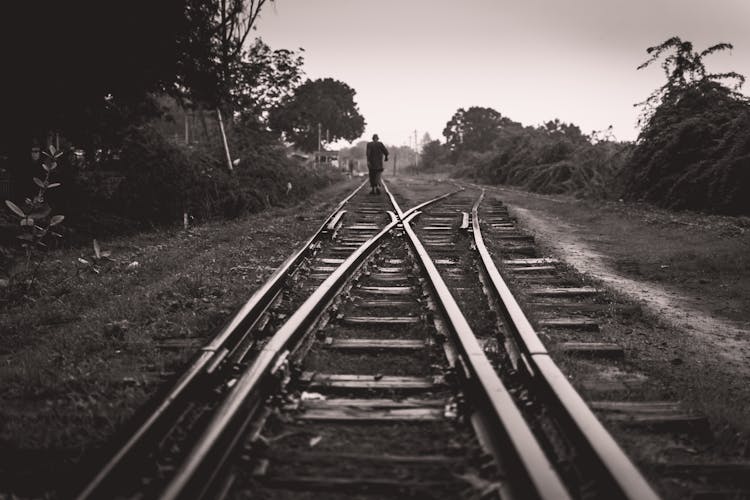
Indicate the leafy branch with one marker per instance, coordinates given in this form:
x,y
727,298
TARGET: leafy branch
x,y
685,70
35,219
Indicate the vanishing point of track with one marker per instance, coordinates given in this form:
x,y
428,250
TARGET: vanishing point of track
x,y
354,371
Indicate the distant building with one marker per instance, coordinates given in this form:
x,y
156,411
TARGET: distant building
x,y
328,158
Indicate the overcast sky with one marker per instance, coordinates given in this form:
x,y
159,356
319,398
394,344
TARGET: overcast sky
x,y
413,63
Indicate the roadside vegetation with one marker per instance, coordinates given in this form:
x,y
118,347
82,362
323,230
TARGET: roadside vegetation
x,y
692,152
190,121
116,321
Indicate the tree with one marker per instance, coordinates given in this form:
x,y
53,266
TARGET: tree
x,y
327,102
474,129
694,145
684,69
264,78
433,153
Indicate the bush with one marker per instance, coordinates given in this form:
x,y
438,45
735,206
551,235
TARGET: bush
x,y
154,181
694,153
555,158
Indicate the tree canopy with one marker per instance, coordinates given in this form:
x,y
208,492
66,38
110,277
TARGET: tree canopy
x,y
474,129
327,102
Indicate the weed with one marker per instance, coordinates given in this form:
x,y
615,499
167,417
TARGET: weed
x,y
36,221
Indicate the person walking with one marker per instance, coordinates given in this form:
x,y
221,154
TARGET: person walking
x,y
375,153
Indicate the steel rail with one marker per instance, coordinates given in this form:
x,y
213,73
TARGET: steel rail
x,y
252,378
611,460
531,463
242,321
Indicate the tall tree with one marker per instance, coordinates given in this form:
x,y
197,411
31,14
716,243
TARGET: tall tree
x,y
685,70
474,129
433,153
265,77
327,102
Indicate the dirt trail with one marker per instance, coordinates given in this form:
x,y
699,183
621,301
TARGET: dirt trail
x,y
728,339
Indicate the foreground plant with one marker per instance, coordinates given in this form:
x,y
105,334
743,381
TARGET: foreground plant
x,y
35,219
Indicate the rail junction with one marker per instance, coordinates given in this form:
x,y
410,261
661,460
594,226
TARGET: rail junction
x,y
386,358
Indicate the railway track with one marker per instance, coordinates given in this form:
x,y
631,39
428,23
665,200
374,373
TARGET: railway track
x,y
387,358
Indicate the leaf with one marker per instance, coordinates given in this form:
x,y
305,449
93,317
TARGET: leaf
x,y
14,208
84,261
27,221
56,219
25,237
39,182
54,185
52,149
40,212
97,250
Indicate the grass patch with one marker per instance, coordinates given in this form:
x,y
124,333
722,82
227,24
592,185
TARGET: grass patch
x,y
78,359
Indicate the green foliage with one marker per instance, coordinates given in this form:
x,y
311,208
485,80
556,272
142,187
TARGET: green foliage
x,y
475,129
555,157
694,149
155,181
434,154
35,218
684,69
264,77
327,102
36,222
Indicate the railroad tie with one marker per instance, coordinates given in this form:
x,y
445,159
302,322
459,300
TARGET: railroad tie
x,y
386,290
322,269
516,237
353,382
563,291
570,323
445,262
592,349
377,303
667,416
381,320
372,410
324,260
530,262
532,269
519,249
368,344
388,277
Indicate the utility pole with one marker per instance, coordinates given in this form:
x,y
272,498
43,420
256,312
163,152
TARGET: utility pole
x,y
395,160
416,155
224,139
317,158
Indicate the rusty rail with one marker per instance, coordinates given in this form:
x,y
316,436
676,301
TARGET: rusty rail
x,y
239,325
509,432
604,455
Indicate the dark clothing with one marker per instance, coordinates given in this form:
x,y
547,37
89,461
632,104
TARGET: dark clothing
x,y
375,177
375,153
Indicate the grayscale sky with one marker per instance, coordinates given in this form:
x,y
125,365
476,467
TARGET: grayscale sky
x,y
413,63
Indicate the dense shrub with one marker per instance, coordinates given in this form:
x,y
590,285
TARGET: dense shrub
x,y
553,158
154,181
694,153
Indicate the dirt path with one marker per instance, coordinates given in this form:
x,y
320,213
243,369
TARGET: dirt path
x,y
729,339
